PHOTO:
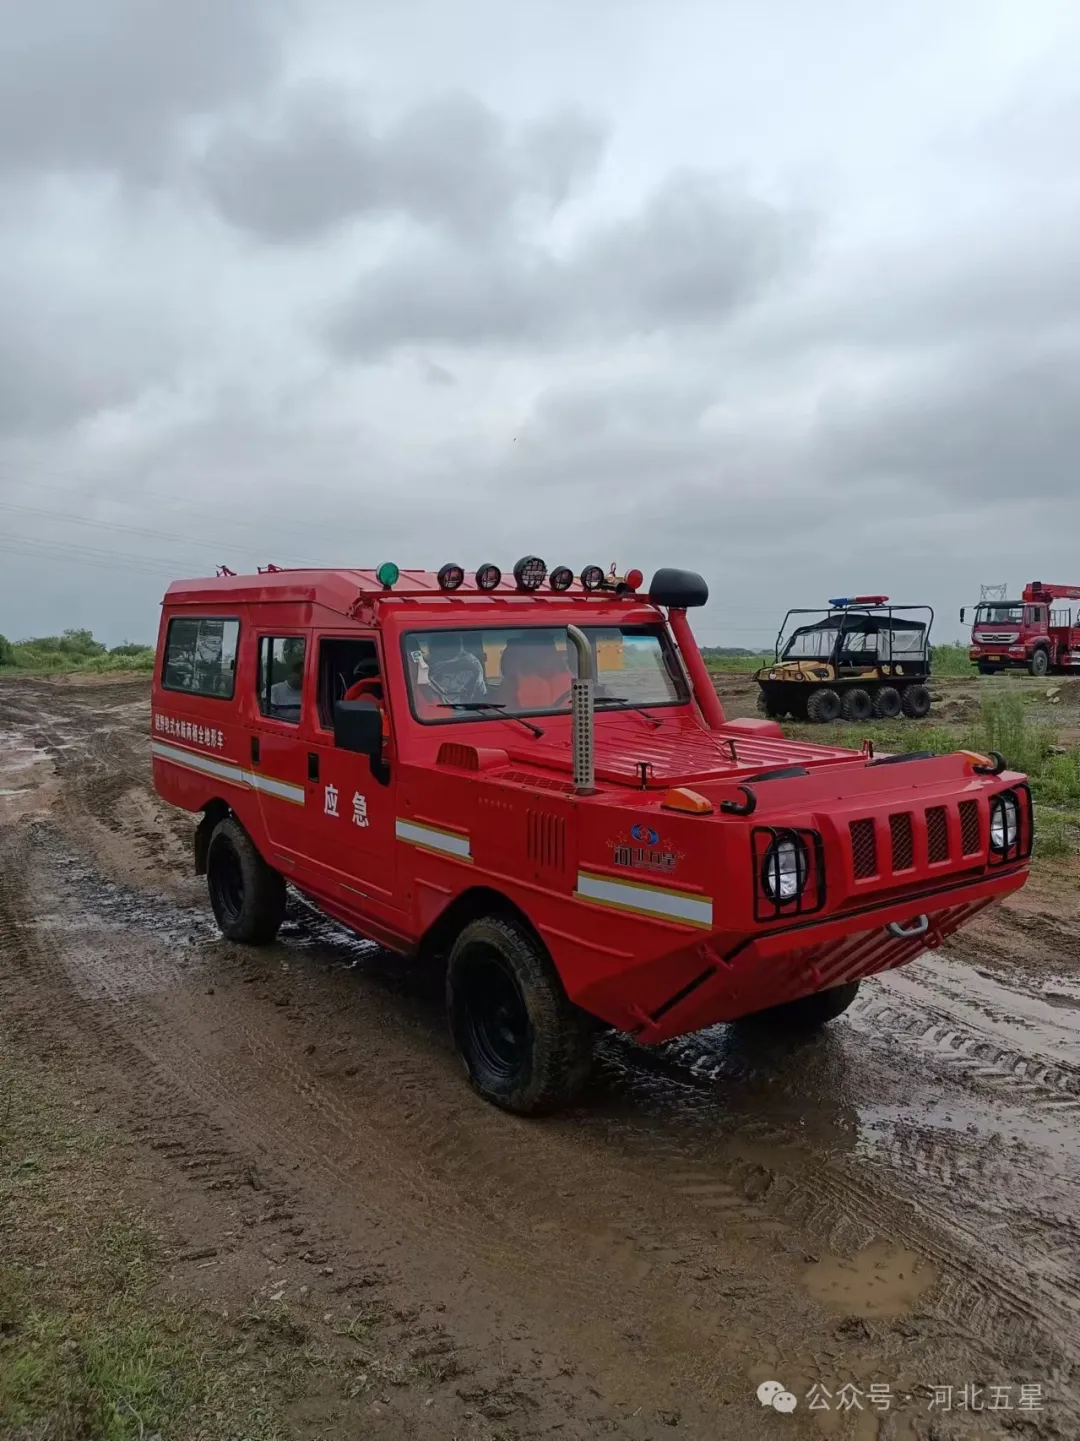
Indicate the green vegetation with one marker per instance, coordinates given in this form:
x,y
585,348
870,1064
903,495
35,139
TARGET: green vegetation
x,y
75,650
944,659
1005,725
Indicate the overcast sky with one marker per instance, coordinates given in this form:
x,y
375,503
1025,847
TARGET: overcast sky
x,y
785,293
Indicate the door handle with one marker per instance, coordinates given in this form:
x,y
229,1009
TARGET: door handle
x,y
919,927
254,750
313,766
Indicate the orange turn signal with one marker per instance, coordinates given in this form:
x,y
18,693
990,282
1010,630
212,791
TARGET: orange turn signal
x,y
682,799
976,759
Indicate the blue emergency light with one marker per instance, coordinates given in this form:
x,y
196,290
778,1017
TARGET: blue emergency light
x,y
845,600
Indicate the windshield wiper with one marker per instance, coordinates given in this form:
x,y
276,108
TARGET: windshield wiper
x,y
489,705
620,700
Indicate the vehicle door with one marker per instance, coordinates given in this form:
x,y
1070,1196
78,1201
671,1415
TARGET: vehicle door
x,y
278,760
350,803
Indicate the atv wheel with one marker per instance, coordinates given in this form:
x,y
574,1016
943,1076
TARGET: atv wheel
x,y
857,705
525,1046
1040,662
808,1013
247,895
769,707
887,703
916,701
823,705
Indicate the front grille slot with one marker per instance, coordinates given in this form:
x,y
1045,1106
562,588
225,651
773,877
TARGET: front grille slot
x,y
970,829
903,845
937,835
863,849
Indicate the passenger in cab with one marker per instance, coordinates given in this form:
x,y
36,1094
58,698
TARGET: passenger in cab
x,y
536,675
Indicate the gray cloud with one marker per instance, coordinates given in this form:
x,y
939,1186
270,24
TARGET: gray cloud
x,y
697,251
103,85
316,162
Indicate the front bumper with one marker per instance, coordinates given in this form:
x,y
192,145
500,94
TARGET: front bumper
x,y
784,964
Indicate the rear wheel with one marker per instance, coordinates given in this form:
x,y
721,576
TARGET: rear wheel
x,y
857,704
525,1047
916,701
247,895
887,704
1040,662
823,705
808,1013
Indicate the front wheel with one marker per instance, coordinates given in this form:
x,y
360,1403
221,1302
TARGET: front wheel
x,y
887,704
858,704
525,1047
247,895
808,1013
823,705
1040,662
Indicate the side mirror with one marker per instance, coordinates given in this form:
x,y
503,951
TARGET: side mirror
x,y
963,610
358,728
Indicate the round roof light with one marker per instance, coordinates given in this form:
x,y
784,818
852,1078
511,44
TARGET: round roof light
x,y
633,579
451,576
561,578
387,574
530,572
592,577
488,576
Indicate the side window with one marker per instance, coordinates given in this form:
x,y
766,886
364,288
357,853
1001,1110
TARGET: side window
x,y
281,676
200,656
348,670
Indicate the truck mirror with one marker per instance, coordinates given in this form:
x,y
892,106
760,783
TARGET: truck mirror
x,y
963,608
358,728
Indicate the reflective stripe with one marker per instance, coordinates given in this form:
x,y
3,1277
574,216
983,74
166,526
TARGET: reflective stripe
x,y
221,770
448,842
645,900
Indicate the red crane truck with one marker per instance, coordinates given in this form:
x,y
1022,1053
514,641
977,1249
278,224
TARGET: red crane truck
x,y
1028,633
533,778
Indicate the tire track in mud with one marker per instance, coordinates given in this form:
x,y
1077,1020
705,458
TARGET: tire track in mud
x,y
704,1137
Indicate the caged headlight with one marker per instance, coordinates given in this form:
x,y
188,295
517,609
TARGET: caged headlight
x,y
1004,822
784,869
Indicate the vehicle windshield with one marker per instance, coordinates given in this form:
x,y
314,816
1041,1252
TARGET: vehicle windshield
x,y
810,644
1003,612
485,674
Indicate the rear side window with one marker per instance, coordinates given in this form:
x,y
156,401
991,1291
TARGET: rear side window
x,y
200,656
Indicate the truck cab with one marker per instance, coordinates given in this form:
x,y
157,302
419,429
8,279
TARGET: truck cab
x,y
1032,633
532,778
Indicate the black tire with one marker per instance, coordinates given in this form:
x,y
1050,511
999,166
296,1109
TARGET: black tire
x,y
985,668
857,704
887,703
808,1013
768,707
916,701
1040,662
525,1047
823,705
247,895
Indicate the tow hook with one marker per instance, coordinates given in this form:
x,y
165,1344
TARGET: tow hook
x,y
918,927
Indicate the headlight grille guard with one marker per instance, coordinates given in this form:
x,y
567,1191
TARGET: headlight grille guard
x,y
812,896
1021,848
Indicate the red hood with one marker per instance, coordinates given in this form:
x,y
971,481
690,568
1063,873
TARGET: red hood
x,y
679,752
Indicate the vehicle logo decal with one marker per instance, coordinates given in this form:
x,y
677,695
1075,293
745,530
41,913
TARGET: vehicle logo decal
x,y
657,901
223,771
645,835
432,838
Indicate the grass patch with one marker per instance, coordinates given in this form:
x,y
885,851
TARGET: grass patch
x,y
89,1348
75,650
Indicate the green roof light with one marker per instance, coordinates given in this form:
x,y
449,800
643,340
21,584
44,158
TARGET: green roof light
x,y
387,574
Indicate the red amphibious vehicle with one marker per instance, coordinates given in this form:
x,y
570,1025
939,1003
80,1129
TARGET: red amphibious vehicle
x,y
534,778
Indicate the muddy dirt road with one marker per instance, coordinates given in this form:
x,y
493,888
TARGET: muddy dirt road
x,y
893,1205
